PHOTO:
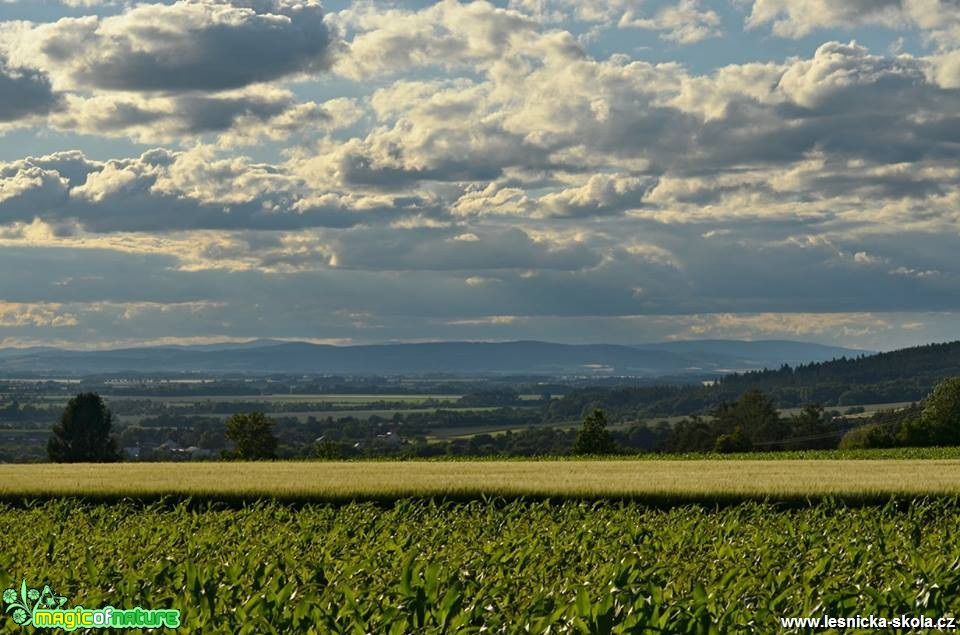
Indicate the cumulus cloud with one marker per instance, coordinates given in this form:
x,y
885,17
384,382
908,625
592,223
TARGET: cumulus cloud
x,y
581,10
946,69
494,198
469,130
164,190
429,131
757,136
685,23
939,20
446,34
171,73
187,45
836,129
600,193
796,18
840,69
26,187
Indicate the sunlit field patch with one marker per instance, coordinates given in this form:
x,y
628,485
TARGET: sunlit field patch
x,y
642,480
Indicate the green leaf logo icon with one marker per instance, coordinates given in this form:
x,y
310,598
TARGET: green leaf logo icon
x,y
22,605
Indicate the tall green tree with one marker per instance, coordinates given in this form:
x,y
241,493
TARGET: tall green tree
x,y
84,433
756,413
252,435
593,437
811,429
939,422
691,434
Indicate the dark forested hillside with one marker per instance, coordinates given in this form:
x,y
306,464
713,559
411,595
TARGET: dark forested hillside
x,y
922,363
903,375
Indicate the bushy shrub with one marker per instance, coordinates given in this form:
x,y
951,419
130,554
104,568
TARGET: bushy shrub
x,y
871,435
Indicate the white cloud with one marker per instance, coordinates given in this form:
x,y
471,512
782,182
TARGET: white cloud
x,y
475,281
864,258
938,20
598,194
490,320
796,18
580,10
914,273
685,23
446,34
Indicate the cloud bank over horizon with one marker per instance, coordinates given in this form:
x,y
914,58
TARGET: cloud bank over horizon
x,y
631,171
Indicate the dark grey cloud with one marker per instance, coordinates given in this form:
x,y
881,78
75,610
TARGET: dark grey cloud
x,y
453,250
190,45
236,118
203,114
25,93
364,301
360,170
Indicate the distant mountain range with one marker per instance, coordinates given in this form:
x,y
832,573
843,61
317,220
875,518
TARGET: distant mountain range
x,y
699,357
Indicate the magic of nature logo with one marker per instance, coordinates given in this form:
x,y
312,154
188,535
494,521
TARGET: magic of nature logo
x,y
45,609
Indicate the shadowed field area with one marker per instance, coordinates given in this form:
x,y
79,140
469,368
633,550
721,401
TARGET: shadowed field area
x,y
662,480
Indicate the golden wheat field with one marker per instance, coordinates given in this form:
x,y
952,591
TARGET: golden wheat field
x,y
654,480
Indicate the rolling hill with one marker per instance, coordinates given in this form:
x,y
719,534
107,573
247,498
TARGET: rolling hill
x,y
464,358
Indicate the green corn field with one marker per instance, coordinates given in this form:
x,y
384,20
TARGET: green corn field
x,y
488,566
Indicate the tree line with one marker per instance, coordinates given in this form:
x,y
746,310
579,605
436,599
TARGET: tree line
x,y
751,423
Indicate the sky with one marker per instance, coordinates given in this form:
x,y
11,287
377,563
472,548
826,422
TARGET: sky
x,y
626,171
